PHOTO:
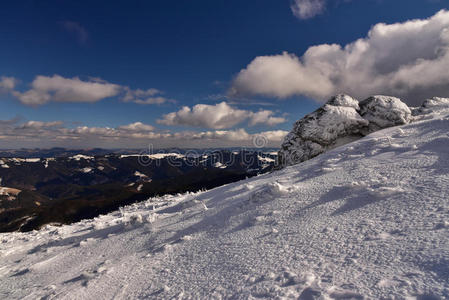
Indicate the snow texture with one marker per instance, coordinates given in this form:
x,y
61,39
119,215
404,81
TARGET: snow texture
x,y
340,121
367,220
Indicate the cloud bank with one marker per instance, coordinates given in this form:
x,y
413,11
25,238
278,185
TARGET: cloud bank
x,y
135,135
408,60
218,116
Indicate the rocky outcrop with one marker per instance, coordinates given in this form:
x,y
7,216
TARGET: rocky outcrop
x,y
430,105
341,120
383,112
335,123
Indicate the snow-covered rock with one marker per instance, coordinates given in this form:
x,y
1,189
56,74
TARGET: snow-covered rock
x,y
340,121
436,102
384,111
431,105
343,100
334,124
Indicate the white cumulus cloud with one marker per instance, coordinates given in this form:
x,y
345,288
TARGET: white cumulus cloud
x,y
218,116
41,125
264,117
408,60
57,88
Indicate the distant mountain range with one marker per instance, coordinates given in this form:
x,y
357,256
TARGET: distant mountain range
x,y
64,152
39,187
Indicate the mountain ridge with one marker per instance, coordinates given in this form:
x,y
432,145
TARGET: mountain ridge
x,y
38,191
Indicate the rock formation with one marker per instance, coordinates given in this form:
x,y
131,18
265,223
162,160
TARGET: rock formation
x,y
341,120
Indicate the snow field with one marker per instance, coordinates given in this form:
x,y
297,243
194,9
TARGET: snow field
x,y
368,220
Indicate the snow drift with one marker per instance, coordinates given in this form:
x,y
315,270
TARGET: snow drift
x,y
367,220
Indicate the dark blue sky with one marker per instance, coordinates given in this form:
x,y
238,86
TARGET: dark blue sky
x,y
191,50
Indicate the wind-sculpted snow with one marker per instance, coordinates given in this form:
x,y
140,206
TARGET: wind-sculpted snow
x,y
367,220
341,120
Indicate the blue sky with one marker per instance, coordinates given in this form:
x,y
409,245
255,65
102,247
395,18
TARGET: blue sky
x,y
190,51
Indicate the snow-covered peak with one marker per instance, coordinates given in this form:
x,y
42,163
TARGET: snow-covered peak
x,y
79,157
156,155
164,155
32,160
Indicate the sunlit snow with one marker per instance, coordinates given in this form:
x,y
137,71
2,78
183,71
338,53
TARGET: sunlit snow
x,y
365,220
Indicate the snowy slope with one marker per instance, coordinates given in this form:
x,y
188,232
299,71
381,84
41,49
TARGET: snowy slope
x,y
366,220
